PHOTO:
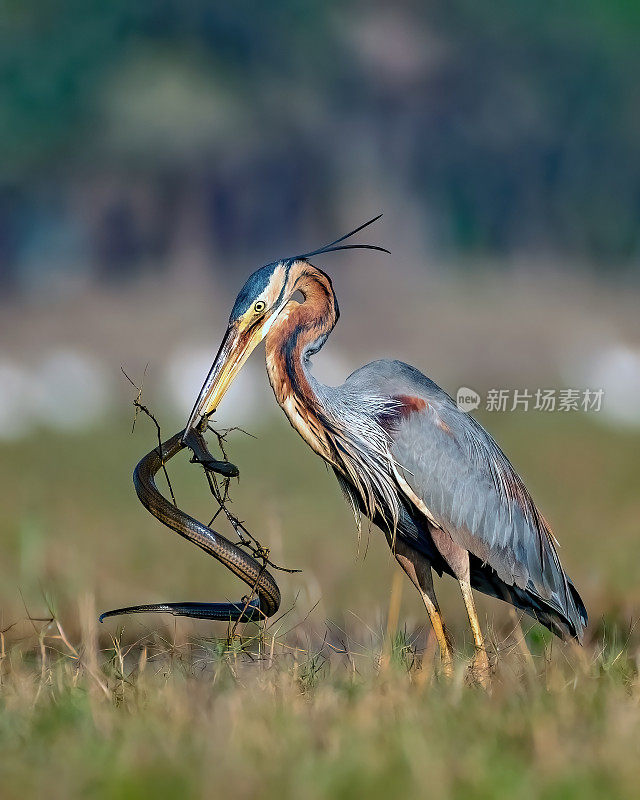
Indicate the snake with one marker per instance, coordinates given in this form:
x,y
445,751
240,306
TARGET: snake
x,y
264,599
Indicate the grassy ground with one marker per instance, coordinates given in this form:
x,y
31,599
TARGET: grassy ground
x,y
194,720
340,697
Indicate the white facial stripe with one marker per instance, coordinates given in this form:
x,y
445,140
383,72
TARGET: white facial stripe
x,y
267,326
270,293
273,289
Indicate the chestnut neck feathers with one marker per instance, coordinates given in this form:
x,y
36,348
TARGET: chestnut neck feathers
x,y
300,331
344,430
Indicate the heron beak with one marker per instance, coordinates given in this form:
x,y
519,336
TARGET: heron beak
x,y
235,349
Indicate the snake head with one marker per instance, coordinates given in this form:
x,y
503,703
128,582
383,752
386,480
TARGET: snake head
x,y
201,455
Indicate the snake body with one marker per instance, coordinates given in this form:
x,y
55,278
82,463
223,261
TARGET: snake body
x,y
263,587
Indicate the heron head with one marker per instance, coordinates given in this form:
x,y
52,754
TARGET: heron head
x,y
257,306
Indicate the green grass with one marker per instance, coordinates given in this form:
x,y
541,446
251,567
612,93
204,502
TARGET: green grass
x,y
331,700
195,720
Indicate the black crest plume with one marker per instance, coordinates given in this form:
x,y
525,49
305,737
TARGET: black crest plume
x,y
328,248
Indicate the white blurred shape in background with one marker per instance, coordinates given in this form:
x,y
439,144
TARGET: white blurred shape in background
x,y
614,367
331,367
71,390
15,406
67,390
247,402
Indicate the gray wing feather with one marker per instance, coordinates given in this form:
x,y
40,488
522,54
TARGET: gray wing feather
x,y
474,494
470,488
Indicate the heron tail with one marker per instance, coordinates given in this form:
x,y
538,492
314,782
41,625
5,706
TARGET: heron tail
x,y
567,623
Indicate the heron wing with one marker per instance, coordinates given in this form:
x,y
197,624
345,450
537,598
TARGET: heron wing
x,y
455,473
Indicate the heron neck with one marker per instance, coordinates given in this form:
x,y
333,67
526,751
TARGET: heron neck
x,y
300,331
345,434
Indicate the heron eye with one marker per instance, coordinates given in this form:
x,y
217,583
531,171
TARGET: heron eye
x,y
259,307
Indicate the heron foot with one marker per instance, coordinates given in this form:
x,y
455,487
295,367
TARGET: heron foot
x,y
480,669
446,664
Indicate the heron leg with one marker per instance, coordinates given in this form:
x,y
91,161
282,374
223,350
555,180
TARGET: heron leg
x,y
458,559
480,666
418,571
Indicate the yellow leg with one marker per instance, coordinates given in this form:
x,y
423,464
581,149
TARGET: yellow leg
x,y
480,667
458,559
438,629
419,572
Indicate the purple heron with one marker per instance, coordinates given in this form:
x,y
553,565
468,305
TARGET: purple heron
x,y
424,472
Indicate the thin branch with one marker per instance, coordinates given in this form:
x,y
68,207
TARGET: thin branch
x,y
221,495
139,406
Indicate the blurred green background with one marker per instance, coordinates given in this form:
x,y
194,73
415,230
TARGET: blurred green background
x,y
155,153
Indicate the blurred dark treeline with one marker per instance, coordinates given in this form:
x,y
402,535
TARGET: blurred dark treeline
x,y
133,133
